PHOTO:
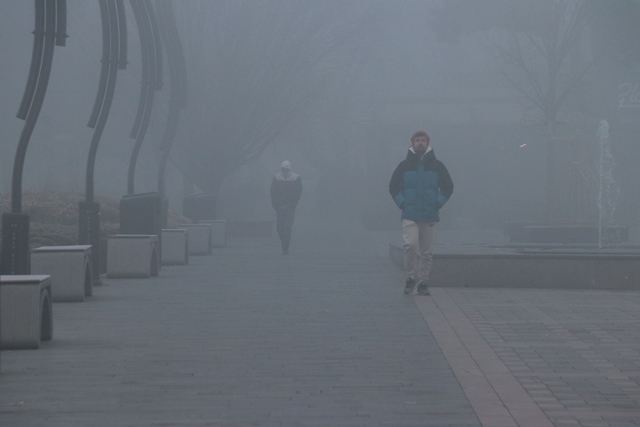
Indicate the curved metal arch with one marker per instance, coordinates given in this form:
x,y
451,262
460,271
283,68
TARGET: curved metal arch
x,y
104,69
157,44
177,97
111,43
36,61
143,17
114,45
46,20
61,23
122,35
15,225
140,18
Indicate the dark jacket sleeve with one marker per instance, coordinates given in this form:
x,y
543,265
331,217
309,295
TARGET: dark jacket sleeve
x,y
395,186
446,184
298,192
273,193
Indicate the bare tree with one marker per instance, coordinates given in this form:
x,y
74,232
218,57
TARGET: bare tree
x,y
255,69
543,48
543,51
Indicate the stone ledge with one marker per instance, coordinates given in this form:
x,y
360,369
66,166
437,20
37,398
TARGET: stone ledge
x,y
564,233
619,271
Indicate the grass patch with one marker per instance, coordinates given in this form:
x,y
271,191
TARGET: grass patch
x,y
54,216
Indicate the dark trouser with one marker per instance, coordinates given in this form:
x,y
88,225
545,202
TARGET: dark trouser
x,y
284,223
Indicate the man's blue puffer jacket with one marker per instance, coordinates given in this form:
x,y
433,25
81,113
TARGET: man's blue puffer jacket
x,y
421,186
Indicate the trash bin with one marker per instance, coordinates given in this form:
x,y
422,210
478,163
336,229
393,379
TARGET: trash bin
x,y
141,214
198,207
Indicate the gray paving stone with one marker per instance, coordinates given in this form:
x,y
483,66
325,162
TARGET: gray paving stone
x,y
245,337
580,348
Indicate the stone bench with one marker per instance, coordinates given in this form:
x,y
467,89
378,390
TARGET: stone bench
x,y
26,318
175,246
199,238
69,268
132,256
218,232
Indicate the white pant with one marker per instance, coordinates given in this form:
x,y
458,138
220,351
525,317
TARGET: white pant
x,y
419,238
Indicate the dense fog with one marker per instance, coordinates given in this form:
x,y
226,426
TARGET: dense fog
x,y
512,94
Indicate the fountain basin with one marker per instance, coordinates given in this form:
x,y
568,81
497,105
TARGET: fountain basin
x,y
564,233
544,266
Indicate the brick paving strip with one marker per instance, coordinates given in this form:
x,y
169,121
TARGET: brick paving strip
x,y
576,353
494,393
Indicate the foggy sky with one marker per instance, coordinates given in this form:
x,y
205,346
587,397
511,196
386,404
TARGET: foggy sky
x,y
353,135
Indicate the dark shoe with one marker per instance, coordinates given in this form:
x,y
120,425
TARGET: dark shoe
x,y
423,289
409,285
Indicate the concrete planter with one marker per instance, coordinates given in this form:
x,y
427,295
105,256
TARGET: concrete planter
x,y
26,318
69,268
199,238
132,256
218,232
175,246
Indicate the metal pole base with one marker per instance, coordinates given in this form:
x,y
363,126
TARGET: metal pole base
x,y
15,244
89,234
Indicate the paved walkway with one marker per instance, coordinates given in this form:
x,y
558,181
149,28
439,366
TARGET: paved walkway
x,y
324,337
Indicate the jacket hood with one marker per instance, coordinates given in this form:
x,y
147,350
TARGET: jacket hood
x,y
411,154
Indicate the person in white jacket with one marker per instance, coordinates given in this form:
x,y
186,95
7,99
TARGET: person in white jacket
x,y
286,189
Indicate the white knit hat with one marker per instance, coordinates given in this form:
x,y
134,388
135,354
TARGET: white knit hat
x,y
286,165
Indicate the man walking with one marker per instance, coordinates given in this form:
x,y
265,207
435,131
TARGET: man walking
x,y
286,189
420,186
